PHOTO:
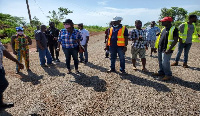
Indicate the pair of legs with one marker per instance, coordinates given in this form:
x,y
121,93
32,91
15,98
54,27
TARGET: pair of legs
x,y
113,54
141,52
71,52
3,86
84,55
164,64
52,48
152,45
186,47
42,54
25,54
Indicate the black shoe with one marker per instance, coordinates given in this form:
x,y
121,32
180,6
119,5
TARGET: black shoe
x,y
85,62
111,70
53,59
6,105
57,60
81,61
124,72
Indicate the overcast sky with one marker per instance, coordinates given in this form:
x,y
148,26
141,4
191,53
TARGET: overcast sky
x,y
97,12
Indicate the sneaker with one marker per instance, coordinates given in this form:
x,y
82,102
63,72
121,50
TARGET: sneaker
x,y
17,72
157,74
166,78
174,64
6,105
111,70
134,68
57,60
53,59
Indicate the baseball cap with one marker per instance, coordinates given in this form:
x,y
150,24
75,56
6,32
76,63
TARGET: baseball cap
x,y
116,18
166,19
19,28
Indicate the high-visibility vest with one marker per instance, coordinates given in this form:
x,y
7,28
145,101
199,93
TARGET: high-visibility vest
x,y
183,35
19,41
170,38
120,36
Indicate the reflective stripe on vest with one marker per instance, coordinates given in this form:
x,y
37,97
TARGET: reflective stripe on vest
x,y
170,38
120,36
183,35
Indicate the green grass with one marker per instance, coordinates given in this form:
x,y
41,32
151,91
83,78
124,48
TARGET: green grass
x,y
5,40
95,28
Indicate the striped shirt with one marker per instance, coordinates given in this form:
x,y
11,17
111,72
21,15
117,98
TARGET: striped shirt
x,y
135,34
67,39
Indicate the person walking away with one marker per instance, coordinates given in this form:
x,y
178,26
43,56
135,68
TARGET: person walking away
x,y
187,35
52,36
166,44
20,47
42,47
152,32
117,42
84,42
69,37
139,43
3,81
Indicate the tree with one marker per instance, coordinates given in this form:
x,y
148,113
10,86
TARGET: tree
x,y
59,16
35,21
178,14
29,13
197,12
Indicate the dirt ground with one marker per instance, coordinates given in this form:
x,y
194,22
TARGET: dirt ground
x,y
51,91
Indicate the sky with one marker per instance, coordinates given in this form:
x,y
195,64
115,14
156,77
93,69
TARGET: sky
x,y
96,12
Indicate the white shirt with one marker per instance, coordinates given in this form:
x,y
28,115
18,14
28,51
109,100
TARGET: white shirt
x,y
84,34
1,55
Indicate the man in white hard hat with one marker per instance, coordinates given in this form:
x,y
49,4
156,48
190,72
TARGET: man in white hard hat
x,y
117,42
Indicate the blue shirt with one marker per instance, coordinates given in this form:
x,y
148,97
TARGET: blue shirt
x,y
113,40
151,33
67,39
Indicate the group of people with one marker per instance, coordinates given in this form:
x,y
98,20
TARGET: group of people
x,y
117,36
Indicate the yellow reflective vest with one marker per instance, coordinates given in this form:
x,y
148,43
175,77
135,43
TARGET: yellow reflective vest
x,y
170,38
183,35
120,36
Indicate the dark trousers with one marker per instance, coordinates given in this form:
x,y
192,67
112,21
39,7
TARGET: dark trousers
x,y
3,84
71,52
52,48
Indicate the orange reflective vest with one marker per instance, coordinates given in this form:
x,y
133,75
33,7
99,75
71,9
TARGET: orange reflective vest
x,y
120,36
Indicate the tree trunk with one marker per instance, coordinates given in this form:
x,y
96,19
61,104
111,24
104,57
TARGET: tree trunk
x,y
29,13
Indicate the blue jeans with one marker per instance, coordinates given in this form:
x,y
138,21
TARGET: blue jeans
x,y
3,83
113,54
42,54
85,55
71,52
164,63
186,47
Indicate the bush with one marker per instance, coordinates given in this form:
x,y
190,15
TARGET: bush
x,y
9,31
5,40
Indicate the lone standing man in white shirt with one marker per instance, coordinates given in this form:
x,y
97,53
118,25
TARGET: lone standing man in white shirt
x,y
84,42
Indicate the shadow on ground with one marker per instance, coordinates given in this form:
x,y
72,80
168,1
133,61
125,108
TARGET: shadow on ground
x,y
53,71
144,82
99,85
31,77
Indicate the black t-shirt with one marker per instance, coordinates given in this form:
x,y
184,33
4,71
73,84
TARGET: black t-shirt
x,y
51,33
164,39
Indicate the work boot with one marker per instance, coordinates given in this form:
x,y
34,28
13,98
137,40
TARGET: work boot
x,y
174,64
166,78
185,65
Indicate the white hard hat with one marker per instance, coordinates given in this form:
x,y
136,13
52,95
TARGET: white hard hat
x,y
116,18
